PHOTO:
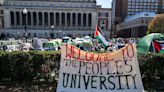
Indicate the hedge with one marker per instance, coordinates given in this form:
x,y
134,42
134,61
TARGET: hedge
x,y
28,66
43,65
151,66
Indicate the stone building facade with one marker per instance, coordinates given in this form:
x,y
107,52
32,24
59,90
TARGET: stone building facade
x,y
51,18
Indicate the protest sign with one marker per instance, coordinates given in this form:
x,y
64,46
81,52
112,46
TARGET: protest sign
x,y
82,71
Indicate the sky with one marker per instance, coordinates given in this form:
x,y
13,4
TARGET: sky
x,y
104,3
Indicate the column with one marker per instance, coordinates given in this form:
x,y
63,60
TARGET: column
x,y
65,19
37,17
49,19
15,18
76,19
94,20
82,20
26,20
60,20
87,20
136,32
32,19
71,19
54,19
43,24
20,18
131,31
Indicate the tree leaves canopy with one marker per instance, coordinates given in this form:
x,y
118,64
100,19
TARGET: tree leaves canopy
x,y
156,25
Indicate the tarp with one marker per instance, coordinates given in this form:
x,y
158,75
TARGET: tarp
x,y
82,71
144,44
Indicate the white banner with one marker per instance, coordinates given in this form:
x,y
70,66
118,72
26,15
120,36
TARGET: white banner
x,y
82,71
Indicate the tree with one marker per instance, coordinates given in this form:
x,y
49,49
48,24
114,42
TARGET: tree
x,y
156,25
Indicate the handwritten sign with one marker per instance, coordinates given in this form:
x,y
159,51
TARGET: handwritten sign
x,y
82,71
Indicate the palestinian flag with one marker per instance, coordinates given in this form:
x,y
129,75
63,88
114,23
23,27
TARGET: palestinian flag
x,y
158,46
100,36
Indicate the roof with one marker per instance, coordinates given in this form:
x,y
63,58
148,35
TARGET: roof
x,y
139,15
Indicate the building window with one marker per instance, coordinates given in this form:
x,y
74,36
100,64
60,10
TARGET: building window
x,y
51,18
99,14
68,19
57,19
84,19
24,18
46,18
106,14
34,18
18,18
63,19
40,19
12,17
29,18
142,21
146,22
73,19
1,11
79,19
90,19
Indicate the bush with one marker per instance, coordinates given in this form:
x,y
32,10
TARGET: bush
x,y
28,66
151,66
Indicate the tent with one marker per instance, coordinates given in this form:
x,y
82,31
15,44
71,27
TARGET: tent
x,y
87,46
66,39
144,45
87,38
52,45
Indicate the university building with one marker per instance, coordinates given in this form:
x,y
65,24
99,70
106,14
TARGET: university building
x,y
124,9
53,18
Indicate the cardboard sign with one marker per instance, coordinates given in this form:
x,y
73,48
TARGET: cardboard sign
x,y
82,71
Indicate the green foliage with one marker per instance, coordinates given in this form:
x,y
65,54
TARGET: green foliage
x,y
27,66
156,25
152,66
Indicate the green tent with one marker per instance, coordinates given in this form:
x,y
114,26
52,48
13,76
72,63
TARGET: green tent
x,y
51,45
144,45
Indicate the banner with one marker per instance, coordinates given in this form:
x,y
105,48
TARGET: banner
x,y
82,71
